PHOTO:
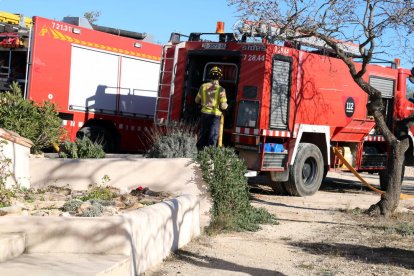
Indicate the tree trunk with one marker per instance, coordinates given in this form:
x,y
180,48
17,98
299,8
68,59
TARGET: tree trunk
x,y
390,199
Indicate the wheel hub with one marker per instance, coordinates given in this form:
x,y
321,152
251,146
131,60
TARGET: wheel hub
x,y
307,171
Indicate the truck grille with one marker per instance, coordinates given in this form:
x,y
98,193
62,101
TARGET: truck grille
x,y
279,103
373,160
274,160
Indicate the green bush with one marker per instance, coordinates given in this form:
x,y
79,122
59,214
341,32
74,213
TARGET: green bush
x,y
81,148
174,141
72,205
224,173
38,122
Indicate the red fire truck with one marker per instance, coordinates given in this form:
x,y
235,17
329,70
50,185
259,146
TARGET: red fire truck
x,y
287,107
103,80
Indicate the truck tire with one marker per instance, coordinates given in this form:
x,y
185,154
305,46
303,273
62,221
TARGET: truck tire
x,y
383,178
279,188
98,135
305,176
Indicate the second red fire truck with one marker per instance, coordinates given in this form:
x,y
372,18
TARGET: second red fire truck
x,y
287,107
104,81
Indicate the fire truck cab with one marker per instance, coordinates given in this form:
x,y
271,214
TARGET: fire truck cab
x,y
288,106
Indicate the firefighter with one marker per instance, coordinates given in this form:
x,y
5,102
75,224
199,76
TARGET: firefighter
x,y
212,98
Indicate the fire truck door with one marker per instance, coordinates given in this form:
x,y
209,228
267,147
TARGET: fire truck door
x,y
198,65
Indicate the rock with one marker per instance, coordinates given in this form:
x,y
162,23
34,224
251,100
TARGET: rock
x,y
119,204
55,213
65,214
48,204
76,194
52,196
128,199
148,201
10,210
110,211
84,206
151,193
114,190
22,205
64,191
41,213
136,205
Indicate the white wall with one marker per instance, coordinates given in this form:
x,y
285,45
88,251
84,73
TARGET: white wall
x,y
17,149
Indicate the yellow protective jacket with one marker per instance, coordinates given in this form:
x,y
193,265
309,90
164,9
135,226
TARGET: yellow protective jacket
x,y
212,98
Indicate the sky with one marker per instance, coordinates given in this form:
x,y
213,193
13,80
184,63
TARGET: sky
x,y
156,17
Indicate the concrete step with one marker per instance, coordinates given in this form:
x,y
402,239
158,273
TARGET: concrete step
x,y
51,264
12,245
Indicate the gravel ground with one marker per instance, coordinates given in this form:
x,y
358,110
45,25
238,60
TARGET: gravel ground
x,y
324,234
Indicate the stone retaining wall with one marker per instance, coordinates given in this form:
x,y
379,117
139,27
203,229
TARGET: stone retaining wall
x,y
148,234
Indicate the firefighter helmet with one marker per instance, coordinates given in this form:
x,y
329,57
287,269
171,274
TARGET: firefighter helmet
x,y
215,73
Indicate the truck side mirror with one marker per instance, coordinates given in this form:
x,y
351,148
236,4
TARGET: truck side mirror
x,y
411,79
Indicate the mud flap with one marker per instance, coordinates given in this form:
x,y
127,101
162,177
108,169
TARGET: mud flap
x,y
280,176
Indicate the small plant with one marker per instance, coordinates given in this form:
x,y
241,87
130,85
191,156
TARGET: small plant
x,y
102,202
174,141
224,173
38,122
405,229
402,228
327,272
95,210
81,148
72,205
101,192
355,211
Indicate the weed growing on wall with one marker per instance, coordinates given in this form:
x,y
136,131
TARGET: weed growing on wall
x,y
173,141
224,173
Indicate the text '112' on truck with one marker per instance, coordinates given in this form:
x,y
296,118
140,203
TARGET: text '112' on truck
x,y
288,106
104,81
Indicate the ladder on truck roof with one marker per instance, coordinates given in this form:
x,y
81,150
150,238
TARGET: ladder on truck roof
x,y
166,86
272,32
15,19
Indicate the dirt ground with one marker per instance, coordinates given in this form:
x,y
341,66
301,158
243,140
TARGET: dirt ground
x,y
324,234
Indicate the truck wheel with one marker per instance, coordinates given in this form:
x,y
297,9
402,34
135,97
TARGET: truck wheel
x,y
305,176
279,188
98,135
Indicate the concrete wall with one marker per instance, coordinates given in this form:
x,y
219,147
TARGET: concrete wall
x,y
147,235
180,176
17,149
176,175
